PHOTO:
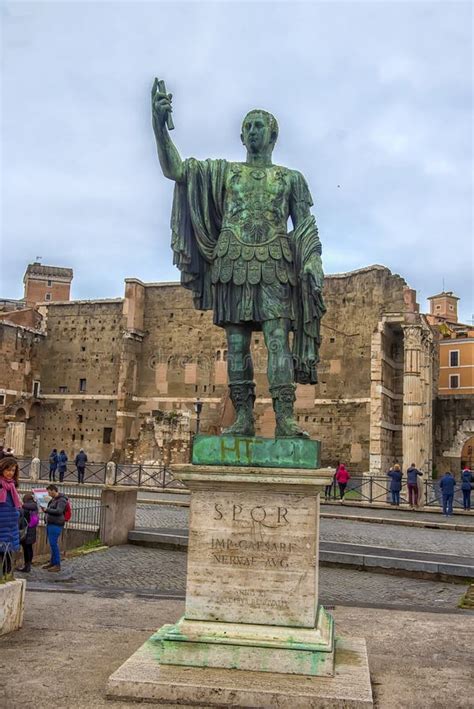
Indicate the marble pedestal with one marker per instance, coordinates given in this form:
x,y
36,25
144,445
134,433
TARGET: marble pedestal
x,y
252,582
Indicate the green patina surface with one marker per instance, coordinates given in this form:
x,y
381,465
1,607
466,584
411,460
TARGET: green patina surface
x,y
231,243
258,452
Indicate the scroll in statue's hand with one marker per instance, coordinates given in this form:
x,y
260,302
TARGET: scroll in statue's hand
x,y
160,105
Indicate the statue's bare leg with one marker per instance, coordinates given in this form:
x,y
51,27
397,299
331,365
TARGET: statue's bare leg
x,y
241,384
281,377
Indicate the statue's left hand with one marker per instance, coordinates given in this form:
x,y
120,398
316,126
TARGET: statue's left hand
x,y
314,267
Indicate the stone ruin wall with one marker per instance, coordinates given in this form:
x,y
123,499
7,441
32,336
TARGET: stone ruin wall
x,y
183,356
83,342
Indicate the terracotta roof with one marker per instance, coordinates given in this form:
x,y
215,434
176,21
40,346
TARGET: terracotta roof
x,y
39,269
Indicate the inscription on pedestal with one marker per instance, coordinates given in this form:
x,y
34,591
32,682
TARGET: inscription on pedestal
x,y
253,558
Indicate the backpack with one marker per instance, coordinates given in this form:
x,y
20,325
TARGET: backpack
x,y
53,459
23,527
34,519
67,511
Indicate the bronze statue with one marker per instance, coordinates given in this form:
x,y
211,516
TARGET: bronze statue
x,y
230,242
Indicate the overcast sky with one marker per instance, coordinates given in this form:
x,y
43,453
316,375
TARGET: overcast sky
x,y
374,102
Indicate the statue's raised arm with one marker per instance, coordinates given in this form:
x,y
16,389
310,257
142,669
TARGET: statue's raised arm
x,y
170,159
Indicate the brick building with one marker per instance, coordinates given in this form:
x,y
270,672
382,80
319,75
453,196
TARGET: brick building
x,y
45,283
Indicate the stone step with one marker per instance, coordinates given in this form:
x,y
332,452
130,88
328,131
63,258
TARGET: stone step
x,y
340,554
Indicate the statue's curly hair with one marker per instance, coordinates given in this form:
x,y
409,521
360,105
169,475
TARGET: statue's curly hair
x,y
269,116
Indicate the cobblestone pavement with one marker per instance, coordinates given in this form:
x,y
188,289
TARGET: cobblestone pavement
x,y
141,569
341,530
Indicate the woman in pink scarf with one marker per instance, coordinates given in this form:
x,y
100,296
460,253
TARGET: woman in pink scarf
x,y
10,505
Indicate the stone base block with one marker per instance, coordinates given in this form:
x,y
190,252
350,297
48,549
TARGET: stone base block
x,y
142,678
12,605
242,646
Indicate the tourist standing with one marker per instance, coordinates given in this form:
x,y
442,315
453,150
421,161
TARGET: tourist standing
x,y
10,505
30,512
412,483
328,488
55,525
447,485
80,462
395,475
342,477
62,465
466,486
53,464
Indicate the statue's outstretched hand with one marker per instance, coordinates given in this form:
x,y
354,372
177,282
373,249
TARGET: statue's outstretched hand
x,y
160,105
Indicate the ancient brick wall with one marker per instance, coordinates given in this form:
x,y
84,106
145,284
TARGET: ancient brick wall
x,y
183,356
19,368
80,362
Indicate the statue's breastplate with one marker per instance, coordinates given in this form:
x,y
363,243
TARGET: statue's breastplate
x,y
253,245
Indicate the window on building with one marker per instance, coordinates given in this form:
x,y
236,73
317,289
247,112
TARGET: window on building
x,y
454,381
218,356
82,384
107,436
332,339
225,356
2,399
83,349
47,296
63,390
36,389
438,307
50,282
79,418
454,358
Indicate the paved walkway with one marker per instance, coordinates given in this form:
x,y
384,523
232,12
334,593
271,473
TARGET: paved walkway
x,y
417,660
163,572
341,530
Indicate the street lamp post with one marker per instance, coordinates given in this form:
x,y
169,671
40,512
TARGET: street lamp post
x,y
198,409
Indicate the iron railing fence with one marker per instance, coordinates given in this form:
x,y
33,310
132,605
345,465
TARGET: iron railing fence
x,y
141,475
72,491
364,488
434,496
94,473
87,510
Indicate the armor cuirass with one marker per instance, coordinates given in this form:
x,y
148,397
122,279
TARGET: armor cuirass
x,y
253,244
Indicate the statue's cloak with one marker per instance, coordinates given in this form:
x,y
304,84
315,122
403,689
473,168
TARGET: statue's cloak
x,y
196,221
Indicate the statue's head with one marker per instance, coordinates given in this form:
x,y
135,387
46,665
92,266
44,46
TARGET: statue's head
x,y
259,131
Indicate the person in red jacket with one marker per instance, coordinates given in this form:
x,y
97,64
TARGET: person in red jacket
x,y
342,477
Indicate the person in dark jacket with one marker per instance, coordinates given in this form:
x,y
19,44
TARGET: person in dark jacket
x,y
80,462
53,464
54,525
447,485
62,465
467,478
395,475
30,513
2,452
10,505
412,484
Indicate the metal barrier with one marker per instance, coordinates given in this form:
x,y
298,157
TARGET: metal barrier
x,y
434,496
364,488
146,476
94,473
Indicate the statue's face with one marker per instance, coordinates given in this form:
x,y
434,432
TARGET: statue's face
x,y
256,133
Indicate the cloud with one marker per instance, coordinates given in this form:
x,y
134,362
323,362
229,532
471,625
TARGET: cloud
x,y
373,102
